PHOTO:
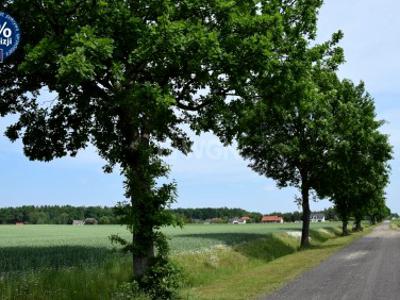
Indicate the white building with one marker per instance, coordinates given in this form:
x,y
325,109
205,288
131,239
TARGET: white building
x,y
317,218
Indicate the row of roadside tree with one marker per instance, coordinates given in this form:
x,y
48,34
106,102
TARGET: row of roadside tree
x,y
129,77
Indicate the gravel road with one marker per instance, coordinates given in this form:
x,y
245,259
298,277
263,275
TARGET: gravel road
x,y
367,269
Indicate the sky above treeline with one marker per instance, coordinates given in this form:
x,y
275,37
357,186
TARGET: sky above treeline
x,y
215,176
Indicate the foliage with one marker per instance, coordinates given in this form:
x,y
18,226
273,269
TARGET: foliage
x,y
129,291
395,224
358,169
193,214
286,134
106,215
126,75
329,213
56,214
162,280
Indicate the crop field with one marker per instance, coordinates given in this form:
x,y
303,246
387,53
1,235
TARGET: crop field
x,y
30,247
190,237
61,258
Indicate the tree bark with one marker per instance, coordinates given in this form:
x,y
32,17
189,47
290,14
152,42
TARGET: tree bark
x,y
142,261
141,201
136,165
358,226
345,222
305,231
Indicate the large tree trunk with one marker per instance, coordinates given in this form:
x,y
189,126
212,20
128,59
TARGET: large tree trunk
x,y
142,210
142,260
345,222
305,231
138,184
358,226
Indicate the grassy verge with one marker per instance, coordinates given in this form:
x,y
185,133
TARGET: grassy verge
x,y
255,268
395,224
85,282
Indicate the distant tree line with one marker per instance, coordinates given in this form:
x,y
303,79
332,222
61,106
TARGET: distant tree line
x,y
106,215
56,214
190,215
224,215
329,213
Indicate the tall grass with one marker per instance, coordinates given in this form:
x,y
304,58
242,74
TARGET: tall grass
x,y
89,282
209,265
395,224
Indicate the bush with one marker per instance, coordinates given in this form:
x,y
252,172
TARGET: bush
x,y
162,280
104,220
129,291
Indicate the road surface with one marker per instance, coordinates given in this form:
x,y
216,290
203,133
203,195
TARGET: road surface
x,y
368,269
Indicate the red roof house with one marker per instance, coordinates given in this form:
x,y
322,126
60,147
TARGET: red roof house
x,y
272,219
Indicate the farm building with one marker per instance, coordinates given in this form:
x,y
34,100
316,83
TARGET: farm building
x,y
317,218
272,219
245,219
242,220
77,222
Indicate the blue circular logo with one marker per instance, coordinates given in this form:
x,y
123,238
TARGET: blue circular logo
x,y
9,35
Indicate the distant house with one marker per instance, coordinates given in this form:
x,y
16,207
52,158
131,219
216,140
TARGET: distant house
x,y
77,222
245,219
272,219
242,220
317,218
235,221
90,221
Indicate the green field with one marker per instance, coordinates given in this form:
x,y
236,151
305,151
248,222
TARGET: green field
x,y
33,247
61,262
190,237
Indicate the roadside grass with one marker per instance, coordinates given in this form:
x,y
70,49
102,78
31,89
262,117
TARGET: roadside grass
x,y
233,274
19,259
85,282
395,224
219,262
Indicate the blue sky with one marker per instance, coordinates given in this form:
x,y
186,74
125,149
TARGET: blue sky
x,y
215,176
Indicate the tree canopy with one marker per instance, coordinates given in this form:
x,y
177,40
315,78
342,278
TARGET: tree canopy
x,y
286,135
358,169
129,76
126,75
